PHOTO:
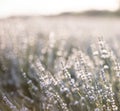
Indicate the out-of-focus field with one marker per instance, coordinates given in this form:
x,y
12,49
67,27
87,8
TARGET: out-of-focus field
x,y
66,25
86,28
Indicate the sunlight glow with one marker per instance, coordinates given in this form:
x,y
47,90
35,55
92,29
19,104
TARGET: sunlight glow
x,y
46,7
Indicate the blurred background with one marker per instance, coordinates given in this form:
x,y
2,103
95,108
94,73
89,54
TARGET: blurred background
x,y
48,7
69,16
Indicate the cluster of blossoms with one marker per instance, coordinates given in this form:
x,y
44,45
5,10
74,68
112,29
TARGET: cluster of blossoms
x,y
56,75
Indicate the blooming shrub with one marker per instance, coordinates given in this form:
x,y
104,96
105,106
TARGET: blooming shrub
x,y
37,74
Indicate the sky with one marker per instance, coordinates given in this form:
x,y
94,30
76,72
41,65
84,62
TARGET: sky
x,y
48,7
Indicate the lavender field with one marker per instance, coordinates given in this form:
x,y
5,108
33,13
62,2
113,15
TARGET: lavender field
x,y
61,63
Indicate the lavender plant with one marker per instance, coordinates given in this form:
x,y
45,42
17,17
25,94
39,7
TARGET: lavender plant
x,y
37,74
